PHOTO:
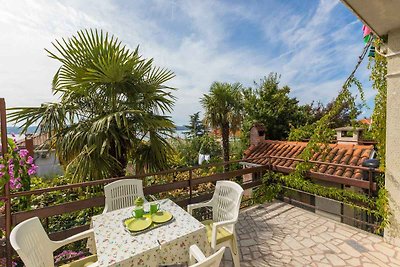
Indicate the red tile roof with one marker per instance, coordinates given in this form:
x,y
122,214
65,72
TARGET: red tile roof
x,y
341,154
367,121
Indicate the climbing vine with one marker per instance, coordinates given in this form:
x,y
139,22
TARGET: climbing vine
x,y
319,143
378,66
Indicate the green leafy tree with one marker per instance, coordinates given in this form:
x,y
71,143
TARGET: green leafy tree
x,y
187,150
195,127
112,108
271,105
344,118
314,112
223,110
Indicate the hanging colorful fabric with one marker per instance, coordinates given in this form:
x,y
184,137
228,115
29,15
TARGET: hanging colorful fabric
x,y
367,38
371,51
367,33
366,30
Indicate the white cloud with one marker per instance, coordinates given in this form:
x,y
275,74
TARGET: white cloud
x,y
192,38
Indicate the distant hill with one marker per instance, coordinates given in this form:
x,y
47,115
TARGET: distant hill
x,y
17,130
181,128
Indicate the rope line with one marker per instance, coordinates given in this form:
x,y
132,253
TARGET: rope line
x,y
360,59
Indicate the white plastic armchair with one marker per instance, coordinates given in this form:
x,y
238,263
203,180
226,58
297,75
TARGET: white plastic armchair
x,y
225,205
122,194
197,257
32,244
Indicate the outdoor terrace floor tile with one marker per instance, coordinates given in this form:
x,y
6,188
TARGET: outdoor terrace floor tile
x,y
279,234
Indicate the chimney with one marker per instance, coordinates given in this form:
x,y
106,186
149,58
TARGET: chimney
x,y
257,134
348,135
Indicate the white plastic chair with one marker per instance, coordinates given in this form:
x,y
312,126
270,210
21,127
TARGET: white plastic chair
x,y
32,244
213,261
122,194
225,205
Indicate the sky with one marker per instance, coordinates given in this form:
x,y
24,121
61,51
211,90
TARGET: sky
x,y
312,44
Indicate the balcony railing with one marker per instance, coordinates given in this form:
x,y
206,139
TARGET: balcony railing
x,y
191,194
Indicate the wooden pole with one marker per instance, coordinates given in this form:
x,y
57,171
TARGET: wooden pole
x,y
4,147
190,186
29,146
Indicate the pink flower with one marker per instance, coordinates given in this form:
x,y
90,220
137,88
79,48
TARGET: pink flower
x,y
2,166
11,170
32,170
15,183
23,153
29,160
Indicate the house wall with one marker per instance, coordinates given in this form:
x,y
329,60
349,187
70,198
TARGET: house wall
x,y
392,178
48,164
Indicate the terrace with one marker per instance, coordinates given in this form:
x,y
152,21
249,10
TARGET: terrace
x,y
280,234
298,228
270,234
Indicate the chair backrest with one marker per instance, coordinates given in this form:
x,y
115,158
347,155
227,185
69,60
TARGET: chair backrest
x,y
32,244
122,194
226,201
212,261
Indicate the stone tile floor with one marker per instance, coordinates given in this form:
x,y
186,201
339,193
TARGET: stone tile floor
x,y
279,234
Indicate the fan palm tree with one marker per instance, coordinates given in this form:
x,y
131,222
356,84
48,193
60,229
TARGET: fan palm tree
x,y
223,110
112,108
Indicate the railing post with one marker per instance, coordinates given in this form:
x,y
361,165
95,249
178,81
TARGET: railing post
x,y
371,182
190,186
4,148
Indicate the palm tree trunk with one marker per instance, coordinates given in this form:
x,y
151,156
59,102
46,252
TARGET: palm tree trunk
x,y
225,144
122,159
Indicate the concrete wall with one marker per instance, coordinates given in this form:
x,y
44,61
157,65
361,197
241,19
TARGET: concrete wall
x,y
351,212
327,207
392,180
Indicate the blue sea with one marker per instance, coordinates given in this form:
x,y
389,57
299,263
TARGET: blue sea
x,y
16,130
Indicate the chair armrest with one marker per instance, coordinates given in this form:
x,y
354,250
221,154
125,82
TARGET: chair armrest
x,y
74,238
196,254
152,198
192,207
215,227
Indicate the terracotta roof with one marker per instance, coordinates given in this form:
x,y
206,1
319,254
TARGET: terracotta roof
x,y
367,121
343,154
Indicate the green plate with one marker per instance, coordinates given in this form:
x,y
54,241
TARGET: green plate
x,y
136,225
161,217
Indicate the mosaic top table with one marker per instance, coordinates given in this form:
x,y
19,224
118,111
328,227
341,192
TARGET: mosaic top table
x,y
167,244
